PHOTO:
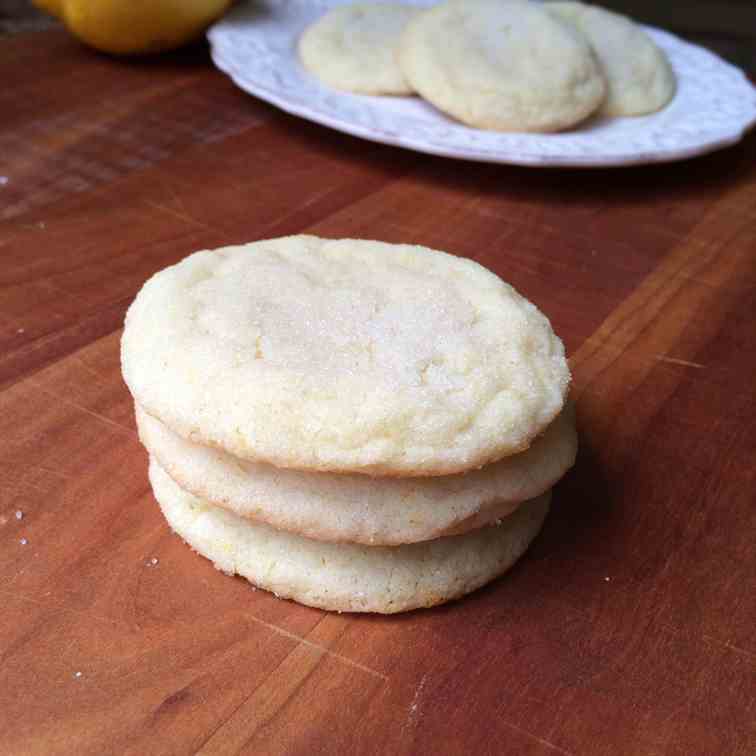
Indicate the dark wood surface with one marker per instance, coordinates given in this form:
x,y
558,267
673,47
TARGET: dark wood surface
x,y
629,628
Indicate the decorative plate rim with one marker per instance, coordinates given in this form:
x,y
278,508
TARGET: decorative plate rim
x,y
300,94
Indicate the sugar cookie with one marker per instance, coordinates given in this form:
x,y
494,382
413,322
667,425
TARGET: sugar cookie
x,y
348,577
639,77
353,48
503,66
358,508
344,356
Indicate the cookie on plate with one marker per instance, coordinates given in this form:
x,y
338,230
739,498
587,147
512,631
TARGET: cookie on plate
x,y
639,77
344,356
348,577
358,508
353,48
503,66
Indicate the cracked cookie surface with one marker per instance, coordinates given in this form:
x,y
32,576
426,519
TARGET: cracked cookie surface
x,y
501,66
344,356
353,47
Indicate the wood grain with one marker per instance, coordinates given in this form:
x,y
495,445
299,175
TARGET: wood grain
x,y
629,627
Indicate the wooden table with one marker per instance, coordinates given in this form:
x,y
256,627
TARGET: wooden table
x,y
629,627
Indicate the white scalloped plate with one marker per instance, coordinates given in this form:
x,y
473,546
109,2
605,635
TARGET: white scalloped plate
x,y
715,104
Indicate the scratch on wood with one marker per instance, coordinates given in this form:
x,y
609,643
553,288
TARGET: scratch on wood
x,y
530,735
83,409
75,357
636,320
274,628
318,647
412,715
677,361
292,213
55,289
730,647
49,471
177,199
60,609
184,217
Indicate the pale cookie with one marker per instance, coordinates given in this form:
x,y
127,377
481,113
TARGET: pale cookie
x,y
503,66
353,48
348,356
639,77
357,508
348,577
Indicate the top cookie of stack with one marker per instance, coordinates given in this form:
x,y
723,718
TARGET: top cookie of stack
x,y
342,421
344,356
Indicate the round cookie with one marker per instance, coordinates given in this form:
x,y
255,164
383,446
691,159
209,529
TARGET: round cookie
x,y
353,48
348,577
503,66
639,77
357,508
347,356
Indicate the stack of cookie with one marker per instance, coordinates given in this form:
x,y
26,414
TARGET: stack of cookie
x,y
355,425
501,65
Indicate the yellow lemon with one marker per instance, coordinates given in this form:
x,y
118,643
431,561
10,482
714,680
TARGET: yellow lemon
x,y
128,27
